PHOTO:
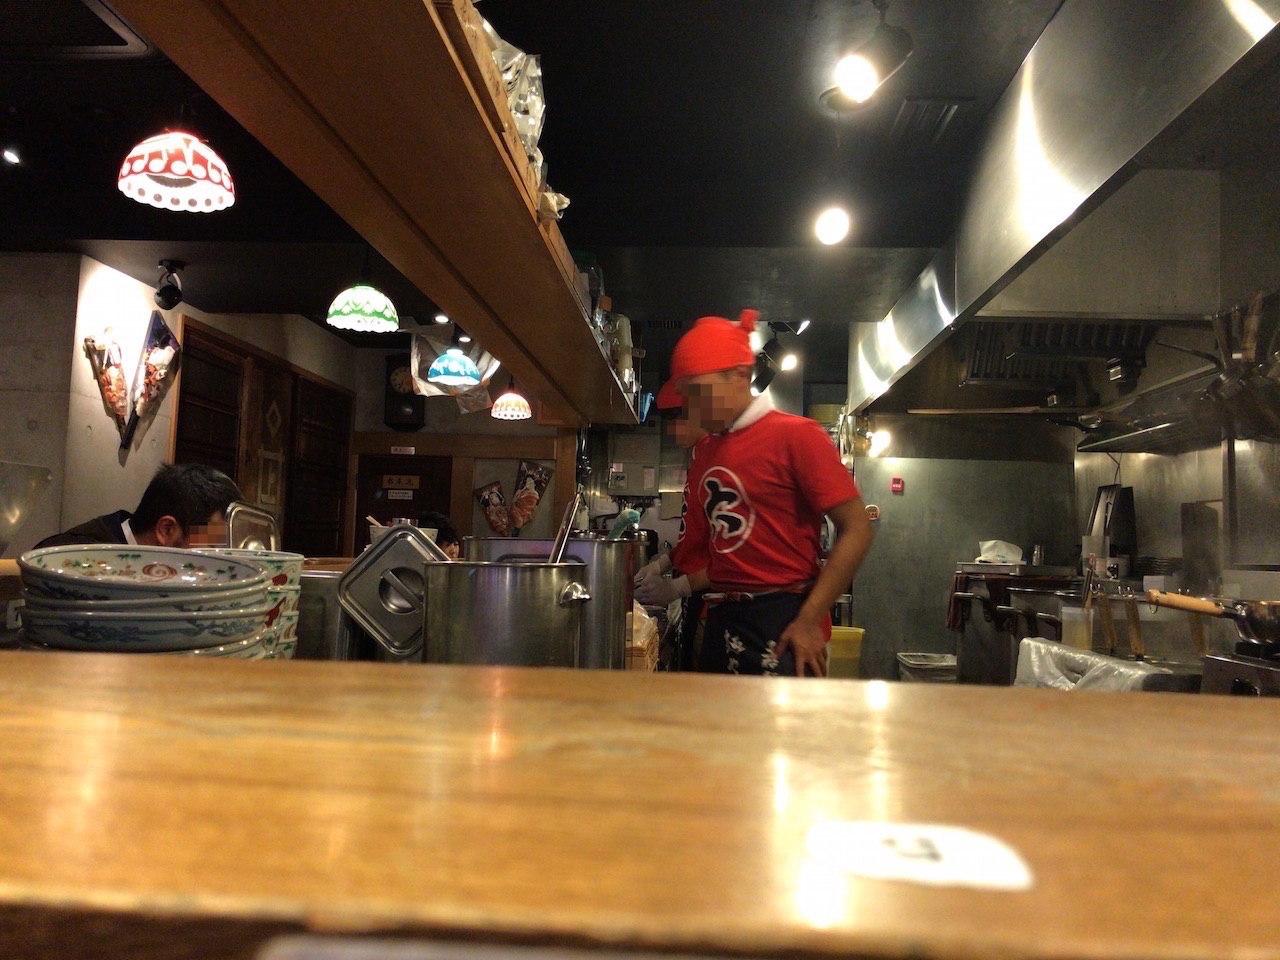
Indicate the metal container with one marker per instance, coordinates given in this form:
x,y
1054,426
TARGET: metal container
x,y
324,631
384,589
513,614
611,564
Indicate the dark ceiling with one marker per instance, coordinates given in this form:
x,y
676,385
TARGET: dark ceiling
x,y
689,137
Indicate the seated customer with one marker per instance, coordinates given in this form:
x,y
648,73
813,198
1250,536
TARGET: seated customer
x,y
446,536
184,505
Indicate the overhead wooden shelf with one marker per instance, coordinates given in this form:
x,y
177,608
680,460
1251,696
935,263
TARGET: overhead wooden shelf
x,y
383,109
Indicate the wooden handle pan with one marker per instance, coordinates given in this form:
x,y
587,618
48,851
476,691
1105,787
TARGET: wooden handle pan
x,y
1256,620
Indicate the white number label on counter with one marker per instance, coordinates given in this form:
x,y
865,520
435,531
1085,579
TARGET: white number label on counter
x,y
928,853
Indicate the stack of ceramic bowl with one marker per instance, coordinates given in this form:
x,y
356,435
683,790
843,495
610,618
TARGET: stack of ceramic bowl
x,y
136,599
284,589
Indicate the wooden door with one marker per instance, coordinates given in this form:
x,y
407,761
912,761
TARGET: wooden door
x,y
210,397
400,486
317,471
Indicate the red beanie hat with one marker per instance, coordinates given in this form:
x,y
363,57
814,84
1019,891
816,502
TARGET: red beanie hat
x,y
714,344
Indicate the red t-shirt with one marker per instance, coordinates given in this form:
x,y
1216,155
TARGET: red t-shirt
x,y
756,497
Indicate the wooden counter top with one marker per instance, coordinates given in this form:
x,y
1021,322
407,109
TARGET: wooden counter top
x,y
628,809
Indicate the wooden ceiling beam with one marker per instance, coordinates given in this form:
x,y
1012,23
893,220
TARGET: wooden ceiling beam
x,y
371,106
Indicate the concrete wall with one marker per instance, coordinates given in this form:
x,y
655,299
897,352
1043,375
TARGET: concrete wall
x,y
900,596
37,326
49,303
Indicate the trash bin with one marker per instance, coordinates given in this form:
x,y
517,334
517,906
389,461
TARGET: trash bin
x,y
927,667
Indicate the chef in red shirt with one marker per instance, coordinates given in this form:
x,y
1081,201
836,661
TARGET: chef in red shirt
x,y
759,485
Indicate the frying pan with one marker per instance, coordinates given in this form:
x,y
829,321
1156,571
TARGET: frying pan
x,y
1257,621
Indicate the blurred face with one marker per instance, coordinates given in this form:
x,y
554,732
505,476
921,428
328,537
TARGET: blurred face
x,y
683,431
211,533
453,549
715,400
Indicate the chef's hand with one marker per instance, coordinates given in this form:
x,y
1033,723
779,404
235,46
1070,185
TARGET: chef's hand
x,y
807,642
656,567
658,591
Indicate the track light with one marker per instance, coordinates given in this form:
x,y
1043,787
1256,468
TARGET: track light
x,y
762,375
169,287
863,72
786,326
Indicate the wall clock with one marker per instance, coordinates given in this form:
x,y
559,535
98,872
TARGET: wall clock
x,y
402,408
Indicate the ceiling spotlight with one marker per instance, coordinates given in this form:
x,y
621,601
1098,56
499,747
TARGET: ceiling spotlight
x,y
763,374
440,318
863,72
176,171
169,287
453,368
832,225
786,326
11,156
511,405
464,337
363,307
789,362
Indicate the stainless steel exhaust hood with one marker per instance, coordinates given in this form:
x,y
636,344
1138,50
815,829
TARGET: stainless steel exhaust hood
x,y
1101,84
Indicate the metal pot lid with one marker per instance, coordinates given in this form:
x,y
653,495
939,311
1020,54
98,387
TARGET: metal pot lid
x,y
250,528
384,589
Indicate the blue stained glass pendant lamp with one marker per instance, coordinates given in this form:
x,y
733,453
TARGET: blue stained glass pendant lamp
x,y
453,368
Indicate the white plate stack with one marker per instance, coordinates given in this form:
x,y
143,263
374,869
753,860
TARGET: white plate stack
x,y
134,599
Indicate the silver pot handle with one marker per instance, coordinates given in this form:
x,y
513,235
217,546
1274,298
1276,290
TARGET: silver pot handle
x,y
573,592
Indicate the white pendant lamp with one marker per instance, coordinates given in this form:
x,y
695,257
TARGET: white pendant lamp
x,y
511,405
363,307
177,171
453,368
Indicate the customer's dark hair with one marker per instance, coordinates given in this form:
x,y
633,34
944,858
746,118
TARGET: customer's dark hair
x,y
443,526
188,492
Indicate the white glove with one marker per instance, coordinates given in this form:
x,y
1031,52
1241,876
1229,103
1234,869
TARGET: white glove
x,y
656,567
658,591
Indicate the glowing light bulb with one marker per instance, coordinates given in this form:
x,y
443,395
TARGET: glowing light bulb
x,y
788,362
856,78
832,226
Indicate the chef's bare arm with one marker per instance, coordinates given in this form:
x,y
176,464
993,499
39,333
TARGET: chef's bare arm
x,y
853,539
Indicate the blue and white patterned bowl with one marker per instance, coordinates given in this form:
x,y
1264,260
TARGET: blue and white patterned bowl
x,y
283,569
119,572
253,648
239,598
144,632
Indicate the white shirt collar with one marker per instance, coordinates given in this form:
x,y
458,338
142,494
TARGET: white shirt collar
x,y
128,533
760,406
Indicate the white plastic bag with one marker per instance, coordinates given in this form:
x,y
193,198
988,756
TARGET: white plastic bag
x,y
1044,663
998,551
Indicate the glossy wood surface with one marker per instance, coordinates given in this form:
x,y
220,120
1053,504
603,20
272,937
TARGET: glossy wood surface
x,y
633,809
